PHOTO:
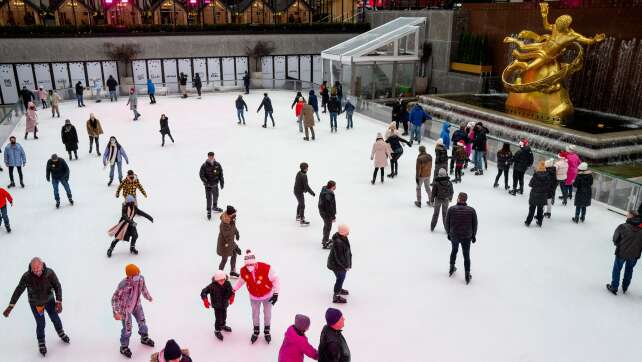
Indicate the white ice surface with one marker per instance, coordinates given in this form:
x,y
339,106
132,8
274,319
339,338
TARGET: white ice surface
x,y
536,295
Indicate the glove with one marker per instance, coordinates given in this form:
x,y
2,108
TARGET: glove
x,y
417,180
7,311
206,303
474,239
232,298
222,186
274,298
314,195
448,236
58,307
238,236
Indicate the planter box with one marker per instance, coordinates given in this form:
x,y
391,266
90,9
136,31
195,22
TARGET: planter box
x,y
471,68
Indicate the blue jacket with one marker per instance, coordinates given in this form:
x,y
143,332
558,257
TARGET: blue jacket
x,y
445,135
151,89
14,155
348,108
417,115
312,100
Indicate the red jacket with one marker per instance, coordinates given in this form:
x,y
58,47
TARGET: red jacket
x,y
4,196
260,286
298,108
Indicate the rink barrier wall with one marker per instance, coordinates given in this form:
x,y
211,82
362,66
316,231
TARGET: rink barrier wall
x,y
616,192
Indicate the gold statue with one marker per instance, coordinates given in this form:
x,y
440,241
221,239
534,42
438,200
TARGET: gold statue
x,y
538,87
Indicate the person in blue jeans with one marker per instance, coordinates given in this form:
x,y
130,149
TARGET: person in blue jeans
x,y
628,247
333,107
113,155
58,173
349,109
266,104
79,94
314,102
240,104
417,118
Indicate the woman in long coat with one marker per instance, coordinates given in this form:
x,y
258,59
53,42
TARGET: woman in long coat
x,y
164,129
69,138
226,246
94,130
583,182
540,189
126,230
31,124
381,152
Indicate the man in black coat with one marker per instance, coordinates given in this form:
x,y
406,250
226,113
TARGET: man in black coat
x,y
332,345
479,148
327,210
301,187
182,84
266,104
27,96
79,94
111,86
461,227
628,247
246,83
340,261
398,110
211,175
58,173
41,284
522,160
198,84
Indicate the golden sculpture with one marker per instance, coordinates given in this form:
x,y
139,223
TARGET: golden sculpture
x,y
537,87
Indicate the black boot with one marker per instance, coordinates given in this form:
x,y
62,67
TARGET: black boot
x,y
132,250
63,336
226,329
125,351
611,289
111,248
144,339
234,274
57,204
209,215
110,181
267,335
339,299
218,335
575,219
468,278
452,270
255,335
513,192
42,347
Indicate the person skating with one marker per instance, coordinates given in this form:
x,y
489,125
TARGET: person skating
x,y
540,185
522,160
332,345
182,84
340,262
399,114
339,93
132,102
126,229
151,91
440,197
349,109
197,84
325,95
228,235
444,135
4,216
423,170
211,174
397,150
94,130
297,112
458,135
561,171
58,173
14,157
240,104
164,129
126,304
327,210
627,239
573,165
307,116
301,186
470,131
479,148
31,121
461,227
113,155
171,353
79,94
221,296
504,161
334,107
111,86
295,344
54,101
263,287
417,119
129,186
69,138
583,182
552,178
266,104
314,102
381,152
246,83
27,96
296,100
459,155
42,95
45,295
441,157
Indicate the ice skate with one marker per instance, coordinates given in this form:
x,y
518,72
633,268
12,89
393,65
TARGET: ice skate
x,y
42,348
612,290
125,351
132,250
226,329
418,204
452,270
339,299
468,278
64,337
144,339
267,335
218,335
234,274
255,335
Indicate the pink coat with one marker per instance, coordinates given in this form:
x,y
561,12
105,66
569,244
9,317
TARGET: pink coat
x,y
42,95
380,153
32,120
469,146
573,163
295,346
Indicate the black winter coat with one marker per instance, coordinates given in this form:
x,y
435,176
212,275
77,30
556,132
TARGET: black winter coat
x,y
441,156
26,95
395,143
583,183
523,159
461,222
479,143
69,137
219,295
301,184
340,257
211,174
57,170
79,89
333,105
111,84
552,180
132,231
327,204
240,103
197,82
40,289
164,125
459,135
398,109
267,104
540,185
628,239
182,79
442,189
332,346
504,160
296,99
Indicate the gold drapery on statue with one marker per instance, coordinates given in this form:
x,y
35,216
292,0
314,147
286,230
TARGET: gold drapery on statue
x,y
534,78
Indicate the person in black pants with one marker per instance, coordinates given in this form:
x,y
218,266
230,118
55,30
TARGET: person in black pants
x,y
300,188
461,227
397,150
266,104
221,295
164,129
327,210
540,188
340,261
522,160
458,135
211,174
246,83
198,84
504,160
27,96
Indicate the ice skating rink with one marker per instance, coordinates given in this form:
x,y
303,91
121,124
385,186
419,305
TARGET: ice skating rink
x,y
537,294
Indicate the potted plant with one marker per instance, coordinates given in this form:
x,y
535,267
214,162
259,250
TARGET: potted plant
x,y
472,55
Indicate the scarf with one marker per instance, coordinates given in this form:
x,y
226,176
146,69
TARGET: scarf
x,y
113,152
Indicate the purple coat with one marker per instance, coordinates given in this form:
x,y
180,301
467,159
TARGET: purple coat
x,y
573,163
127,295
295,346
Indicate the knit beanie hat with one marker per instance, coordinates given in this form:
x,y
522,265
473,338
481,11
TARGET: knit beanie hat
x,y
570,148
332,316
172,350
523,142
443,172
301,322
549,162
132,270
583,166
249,257
422,149
219,275
440,141
344,230
461,143
230,210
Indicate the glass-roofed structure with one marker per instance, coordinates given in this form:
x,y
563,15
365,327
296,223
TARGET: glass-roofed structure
x,y
380,63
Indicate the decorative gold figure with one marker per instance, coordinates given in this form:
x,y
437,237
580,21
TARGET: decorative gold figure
x,y
538,88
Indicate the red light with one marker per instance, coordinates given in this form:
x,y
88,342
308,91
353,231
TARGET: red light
x,y
108,1
124,1
192,1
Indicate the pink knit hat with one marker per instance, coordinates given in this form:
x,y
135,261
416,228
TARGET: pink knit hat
x,y
344,230
249,259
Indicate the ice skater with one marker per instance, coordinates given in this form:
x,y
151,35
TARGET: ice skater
x,y
297,112
627,239
340,262
240,105
307,117
423,170
132,102
4,215
211,174
334,107
79,94
129,186
461,228
266,104
54,101
504,161
42,95
417,118
228,235
522,160
301,186
58,173
327,210
69,138
441,157
126,229
397,150
325,95
94,130
151,91
314,102
295,344
14,157
459,155
31,121
440,197
221,296
540,185
111,86
349,109
196,82
246,82
381,152
113,155
582,183
164,129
